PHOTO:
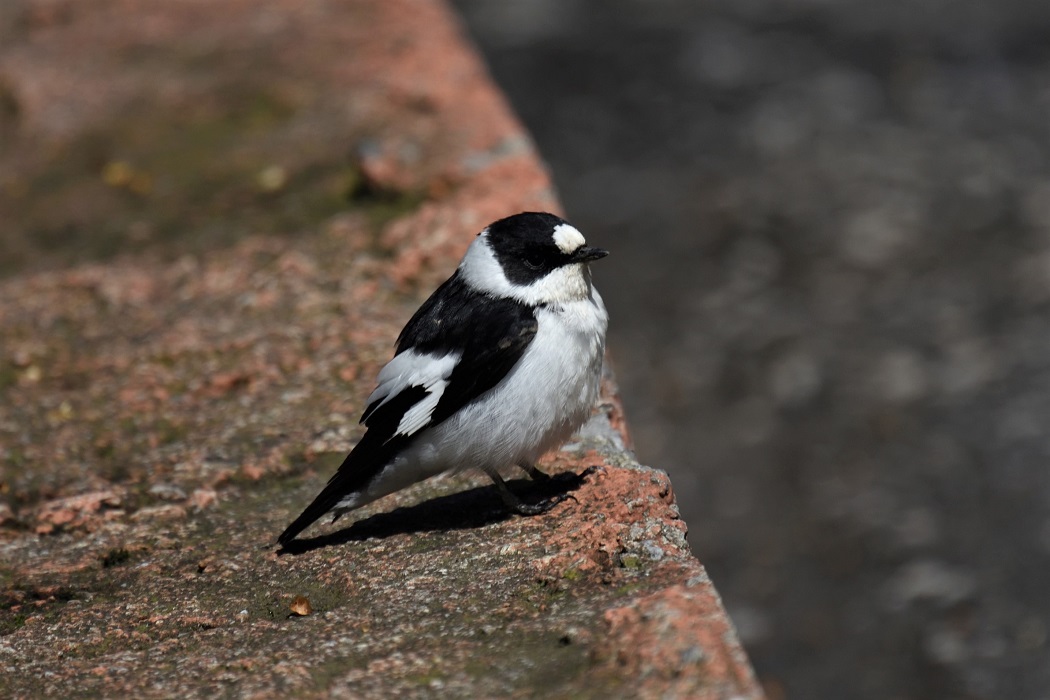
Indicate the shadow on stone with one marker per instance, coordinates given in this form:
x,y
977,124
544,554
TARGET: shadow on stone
x,y
463,510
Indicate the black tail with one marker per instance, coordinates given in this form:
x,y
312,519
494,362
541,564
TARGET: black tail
x,y
324,502
362,464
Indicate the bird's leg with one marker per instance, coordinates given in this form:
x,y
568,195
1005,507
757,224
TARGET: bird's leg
x,y
534,473
514,503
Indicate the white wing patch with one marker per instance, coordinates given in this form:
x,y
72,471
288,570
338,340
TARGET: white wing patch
x,y
419,415
568,238
410,369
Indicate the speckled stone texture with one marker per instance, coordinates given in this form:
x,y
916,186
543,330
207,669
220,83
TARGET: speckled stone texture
x,y
171,398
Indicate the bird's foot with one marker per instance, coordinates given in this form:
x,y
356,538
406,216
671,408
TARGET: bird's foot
x,y
593,469
522,508
517,505
534,472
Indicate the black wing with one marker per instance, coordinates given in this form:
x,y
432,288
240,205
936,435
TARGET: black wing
x,y
491,335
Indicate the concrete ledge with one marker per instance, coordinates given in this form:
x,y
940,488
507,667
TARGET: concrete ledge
x,y
170,400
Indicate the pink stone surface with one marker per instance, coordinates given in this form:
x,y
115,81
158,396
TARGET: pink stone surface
x,y
167,406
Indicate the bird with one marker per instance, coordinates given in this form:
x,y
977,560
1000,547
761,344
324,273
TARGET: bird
x,y
501,364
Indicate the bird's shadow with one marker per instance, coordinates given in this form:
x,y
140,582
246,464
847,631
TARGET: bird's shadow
x,y
463,510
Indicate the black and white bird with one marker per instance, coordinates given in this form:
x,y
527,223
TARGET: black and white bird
x,y
501,364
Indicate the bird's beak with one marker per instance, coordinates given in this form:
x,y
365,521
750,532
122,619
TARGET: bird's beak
x,y
587,254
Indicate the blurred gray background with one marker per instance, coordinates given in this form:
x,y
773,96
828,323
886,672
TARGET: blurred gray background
x,y
830,285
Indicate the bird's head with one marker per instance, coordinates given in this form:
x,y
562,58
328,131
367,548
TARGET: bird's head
x,y
536,258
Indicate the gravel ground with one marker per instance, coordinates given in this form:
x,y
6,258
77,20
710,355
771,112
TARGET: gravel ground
x,y
214,218
830,283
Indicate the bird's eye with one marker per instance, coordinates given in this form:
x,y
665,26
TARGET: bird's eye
x,y
534,263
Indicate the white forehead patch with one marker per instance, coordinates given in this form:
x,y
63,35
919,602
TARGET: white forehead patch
x,y
567,238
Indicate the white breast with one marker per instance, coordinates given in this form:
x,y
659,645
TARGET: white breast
x,y
553,389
